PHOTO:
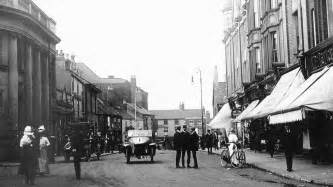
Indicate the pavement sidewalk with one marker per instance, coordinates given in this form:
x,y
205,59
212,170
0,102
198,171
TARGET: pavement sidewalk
x,y
11,169
304,170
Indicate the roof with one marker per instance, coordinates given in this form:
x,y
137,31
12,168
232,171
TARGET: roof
x,y
176,114
285,87
139,109
112,81
87,73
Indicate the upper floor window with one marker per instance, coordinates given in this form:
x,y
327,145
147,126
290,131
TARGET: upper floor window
x,y
314,26
273,4
176,121
165,122
256,14
257,60
274,47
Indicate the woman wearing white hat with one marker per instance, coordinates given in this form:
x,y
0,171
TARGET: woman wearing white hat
x,y
43,144
28,156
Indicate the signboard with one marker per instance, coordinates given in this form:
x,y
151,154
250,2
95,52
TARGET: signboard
x,y
137,133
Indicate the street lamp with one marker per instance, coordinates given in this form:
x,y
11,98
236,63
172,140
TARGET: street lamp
x,y
201,109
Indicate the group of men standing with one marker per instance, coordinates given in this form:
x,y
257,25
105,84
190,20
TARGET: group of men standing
x,y
186,142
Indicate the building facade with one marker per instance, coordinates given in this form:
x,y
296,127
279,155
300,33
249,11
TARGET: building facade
x,y
27,70
167,120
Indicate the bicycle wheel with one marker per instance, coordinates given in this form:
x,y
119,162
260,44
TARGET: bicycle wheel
x,y
241,158
224,158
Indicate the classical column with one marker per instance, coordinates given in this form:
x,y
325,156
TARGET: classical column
x,y
12,82
28,84
45,89
37,99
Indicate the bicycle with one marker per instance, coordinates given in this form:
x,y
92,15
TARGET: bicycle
x,y
238,154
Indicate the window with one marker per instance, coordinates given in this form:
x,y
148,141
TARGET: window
x,y
176,122
274,47
295,22
257,60
314,26
165,129
165,122
256,14
273,4
191,122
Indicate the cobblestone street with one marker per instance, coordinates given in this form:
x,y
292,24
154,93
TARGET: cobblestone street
x,y
113,171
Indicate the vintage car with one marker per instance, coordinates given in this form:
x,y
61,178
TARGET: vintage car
x,y
139,144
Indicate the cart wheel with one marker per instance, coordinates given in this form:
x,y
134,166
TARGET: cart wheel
x,y
224,157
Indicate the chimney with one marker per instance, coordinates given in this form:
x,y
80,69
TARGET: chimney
x,y
181,106
133,88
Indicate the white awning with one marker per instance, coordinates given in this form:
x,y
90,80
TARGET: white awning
x,y
287,117
248,109
222,118
285,86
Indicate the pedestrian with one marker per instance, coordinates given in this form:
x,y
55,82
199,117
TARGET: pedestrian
x,y
233,140
28,155
270,137
44,142
177,145
77,143
194,146
289,142
186,147
67,148
215,140
209,142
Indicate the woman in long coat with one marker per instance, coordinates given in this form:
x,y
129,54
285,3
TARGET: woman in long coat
x,y
43,145
28,155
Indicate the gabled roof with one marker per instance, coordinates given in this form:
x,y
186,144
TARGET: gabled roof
x,y
176,114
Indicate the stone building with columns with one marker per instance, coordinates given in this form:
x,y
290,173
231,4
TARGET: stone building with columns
x,y
27,70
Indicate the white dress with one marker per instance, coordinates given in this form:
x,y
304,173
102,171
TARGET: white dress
x,y
233,139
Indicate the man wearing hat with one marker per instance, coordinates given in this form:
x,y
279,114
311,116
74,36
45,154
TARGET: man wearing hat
x,y
28,155
194,146
185,149
177,142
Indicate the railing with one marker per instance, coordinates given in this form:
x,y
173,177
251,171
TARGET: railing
x,y
31,8
318,57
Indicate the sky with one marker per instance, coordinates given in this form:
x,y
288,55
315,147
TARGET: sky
x,y
162,42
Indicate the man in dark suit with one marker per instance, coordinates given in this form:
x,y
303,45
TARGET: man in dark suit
x,y
186,147
209,142
289,144
177,143
77,143
194,146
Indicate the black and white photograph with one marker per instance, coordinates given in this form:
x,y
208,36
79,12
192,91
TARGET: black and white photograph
x,y
166,93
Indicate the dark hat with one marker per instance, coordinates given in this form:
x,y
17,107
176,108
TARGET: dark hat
x,y
178,128
193,129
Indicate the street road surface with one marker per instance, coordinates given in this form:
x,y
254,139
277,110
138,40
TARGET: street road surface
x,y
113,171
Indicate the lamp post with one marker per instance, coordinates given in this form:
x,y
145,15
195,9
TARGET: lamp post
x,y
201,108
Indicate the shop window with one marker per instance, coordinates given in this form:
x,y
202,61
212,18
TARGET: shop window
x,y
274,47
